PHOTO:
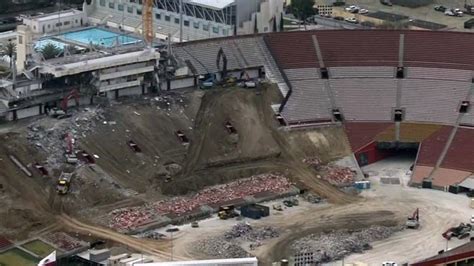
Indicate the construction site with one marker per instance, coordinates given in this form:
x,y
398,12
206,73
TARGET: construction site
x,y
125,148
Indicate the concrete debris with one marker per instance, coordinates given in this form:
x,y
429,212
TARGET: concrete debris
x,y
246,232
133,217
338,244
338,176
219,247
229,244
64,241
223,193
49,134
314,162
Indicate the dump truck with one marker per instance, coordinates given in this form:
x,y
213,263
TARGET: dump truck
x,y
64,182
227,212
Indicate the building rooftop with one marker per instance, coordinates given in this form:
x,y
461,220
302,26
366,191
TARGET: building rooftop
x,y
214,4
56,15
464,251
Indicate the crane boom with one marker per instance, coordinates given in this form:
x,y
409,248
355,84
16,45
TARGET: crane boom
x,y
147,18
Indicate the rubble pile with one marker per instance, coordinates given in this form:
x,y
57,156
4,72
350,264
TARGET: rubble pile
x,y
63,241
314,162
219,247
338,176
227,192
50,137
337,244
130,218
246,232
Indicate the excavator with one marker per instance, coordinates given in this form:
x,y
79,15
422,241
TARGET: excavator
x,y
413,222
461,231
62,112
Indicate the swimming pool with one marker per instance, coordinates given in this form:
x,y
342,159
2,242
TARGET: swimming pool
x,y
99,37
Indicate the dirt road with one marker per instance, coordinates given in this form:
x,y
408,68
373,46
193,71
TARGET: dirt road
x,y
159,249
383,205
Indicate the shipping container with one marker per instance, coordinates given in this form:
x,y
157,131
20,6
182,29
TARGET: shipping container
x,y
254,211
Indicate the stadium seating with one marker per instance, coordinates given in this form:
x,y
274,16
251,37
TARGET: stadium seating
x,y
240,53
434,101
362,72
460,154
362,133
431,147
309,102
439,49
359,48
365,99
292,49
439,73
302,73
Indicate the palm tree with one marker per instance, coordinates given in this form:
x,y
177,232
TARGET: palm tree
x,y
9,50
50,51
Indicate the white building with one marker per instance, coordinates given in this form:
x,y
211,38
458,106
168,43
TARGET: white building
x,y
201,19
56,22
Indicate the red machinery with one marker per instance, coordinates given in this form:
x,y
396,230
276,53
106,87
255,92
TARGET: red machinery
x,y
73,94
413,221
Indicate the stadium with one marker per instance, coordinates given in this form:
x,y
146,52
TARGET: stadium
x,y
160,151
390,90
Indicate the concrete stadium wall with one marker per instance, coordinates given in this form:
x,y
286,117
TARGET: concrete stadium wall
x,y
181,83
28,112
130,91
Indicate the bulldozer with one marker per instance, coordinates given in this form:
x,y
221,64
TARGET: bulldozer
x,y
227,212
413,222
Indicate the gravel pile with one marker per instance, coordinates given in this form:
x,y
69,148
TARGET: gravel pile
x,y
220,247
338,244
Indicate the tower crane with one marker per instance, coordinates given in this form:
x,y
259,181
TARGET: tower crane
x,y
147,18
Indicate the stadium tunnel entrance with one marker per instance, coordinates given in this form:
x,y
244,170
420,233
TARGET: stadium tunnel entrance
x,y
380,150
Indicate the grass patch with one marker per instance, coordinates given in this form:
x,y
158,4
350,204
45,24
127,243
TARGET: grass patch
x,y
39,248
17,257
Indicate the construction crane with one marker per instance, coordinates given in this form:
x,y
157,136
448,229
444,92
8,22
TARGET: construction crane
x,y
148,21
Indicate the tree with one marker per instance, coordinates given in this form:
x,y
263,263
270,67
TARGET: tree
x,y
302,9
50,51
9,50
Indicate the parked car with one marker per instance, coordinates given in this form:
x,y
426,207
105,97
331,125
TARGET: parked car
x,y
458,12
440,8
352,9
472,219
352,20
449,12
363,11
386,2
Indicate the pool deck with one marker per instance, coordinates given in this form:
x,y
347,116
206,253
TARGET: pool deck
x,y
60,38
